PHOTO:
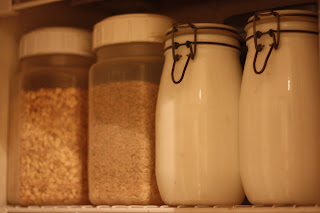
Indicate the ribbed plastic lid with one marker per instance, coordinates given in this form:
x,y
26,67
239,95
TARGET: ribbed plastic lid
x,y
130,28
56,40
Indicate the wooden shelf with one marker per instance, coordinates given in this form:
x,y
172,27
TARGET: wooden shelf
x,y
163,209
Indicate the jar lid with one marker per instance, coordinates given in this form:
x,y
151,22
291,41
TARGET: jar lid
x,y
130,28
284,15
205,28
56,40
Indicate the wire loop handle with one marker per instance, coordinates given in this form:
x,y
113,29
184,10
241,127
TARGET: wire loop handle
x,y
259,34
176,45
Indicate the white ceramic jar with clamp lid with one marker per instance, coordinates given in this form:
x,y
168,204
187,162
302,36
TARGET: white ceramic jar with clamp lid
x,y
279,109
197,116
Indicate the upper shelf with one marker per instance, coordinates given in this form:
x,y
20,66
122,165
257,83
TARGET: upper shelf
x,y
9,7
24,4
181,10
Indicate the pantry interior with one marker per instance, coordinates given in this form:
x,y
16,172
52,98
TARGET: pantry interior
x,y
20,16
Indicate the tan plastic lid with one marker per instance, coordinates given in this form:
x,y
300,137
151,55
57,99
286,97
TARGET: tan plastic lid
x,y
130,28
56,40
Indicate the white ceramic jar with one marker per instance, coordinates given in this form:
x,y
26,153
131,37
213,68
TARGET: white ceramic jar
x,y
197,117
279,110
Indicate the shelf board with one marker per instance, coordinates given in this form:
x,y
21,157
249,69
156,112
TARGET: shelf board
x,y
163,209
190,10
30,4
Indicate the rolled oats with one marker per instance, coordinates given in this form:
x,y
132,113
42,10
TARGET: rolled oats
x,y
53,163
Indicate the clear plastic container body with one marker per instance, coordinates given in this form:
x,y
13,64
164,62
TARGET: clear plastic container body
x,y
123,87
48,131
279,114
197,161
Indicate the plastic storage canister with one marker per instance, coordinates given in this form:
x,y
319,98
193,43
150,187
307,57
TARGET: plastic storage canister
x,y
197,117
48,120
279,109
123,92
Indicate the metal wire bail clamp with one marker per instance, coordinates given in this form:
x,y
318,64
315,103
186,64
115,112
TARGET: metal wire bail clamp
x,y
258,34
176,45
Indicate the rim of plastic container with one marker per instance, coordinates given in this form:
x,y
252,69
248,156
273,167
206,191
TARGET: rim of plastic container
x,y
66,41
100,28
131,15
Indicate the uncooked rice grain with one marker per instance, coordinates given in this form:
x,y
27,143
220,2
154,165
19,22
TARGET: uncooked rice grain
x,y
122,144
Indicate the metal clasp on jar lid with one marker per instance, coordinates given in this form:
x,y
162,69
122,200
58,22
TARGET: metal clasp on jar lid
x,y
285,16
258,34
176,57
196,30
